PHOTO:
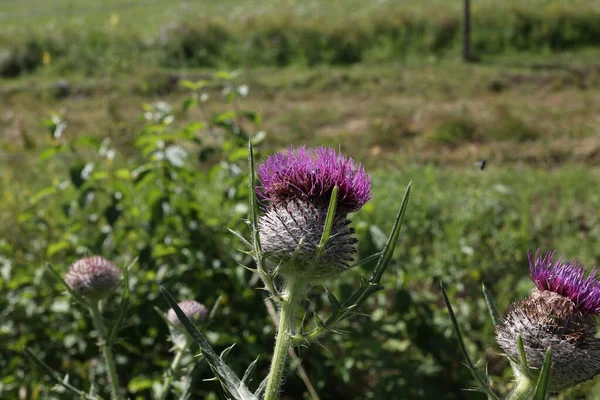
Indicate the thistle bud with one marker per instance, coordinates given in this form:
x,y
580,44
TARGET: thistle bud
x,y
296,188
93,277
561,314
193,310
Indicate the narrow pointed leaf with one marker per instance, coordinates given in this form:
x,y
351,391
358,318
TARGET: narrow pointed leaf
x,y
54,375
124,302
249,371
522,355
225,352
261,388
229,380
482,380
491,305
328,223
389,247
241,238
333,300
163,316
213,310
366,260
541,388
252,203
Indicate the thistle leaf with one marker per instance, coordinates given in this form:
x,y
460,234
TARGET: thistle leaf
x,y
124,302
541,388
522,355
249,371
64,382
491,305
213,310
390,246
366,260
240,237
478,375
328,223
229,380
225,352
333,300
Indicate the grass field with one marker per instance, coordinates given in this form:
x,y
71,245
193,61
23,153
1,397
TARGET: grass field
x,y
529,108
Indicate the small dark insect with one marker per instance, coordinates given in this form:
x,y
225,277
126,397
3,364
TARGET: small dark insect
x,y
481,164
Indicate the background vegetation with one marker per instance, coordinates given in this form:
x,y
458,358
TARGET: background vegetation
x,y
108,148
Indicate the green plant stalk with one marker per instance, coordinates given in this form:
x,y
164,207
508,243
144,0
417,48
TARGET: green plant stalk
x,y
294,289
106,350
173,368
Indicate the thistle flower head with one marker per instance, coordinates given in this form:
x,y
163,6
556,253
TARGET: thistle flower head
x,y
310,175
560,313
568,279
193,310
93,277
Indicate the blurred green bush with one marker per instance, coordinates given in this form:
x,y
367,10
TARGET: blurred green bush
x,y
280,39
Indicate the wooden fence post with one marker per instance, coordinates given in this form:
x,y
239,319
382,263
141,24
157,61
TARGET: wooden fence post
x,y
466,31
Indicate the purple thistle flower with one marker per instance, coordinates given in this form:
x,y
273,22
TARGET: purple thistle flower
x,y
567,278
310,175
560,313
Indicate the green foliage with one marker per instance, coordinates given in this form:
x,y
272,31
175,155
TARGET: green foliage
x,y
282,37
167,201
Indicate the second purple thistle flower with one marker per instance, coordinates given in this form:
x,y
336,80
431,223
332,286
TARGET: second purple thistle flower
x,y
295,189
560,313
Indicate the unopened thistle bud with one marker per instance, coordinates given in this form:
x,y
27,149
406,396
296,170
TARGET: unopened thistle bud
x,y
296,188
560,313
193,310
93,277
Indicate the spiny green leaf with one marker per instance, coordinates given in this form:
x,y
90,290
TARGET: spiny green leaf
x,y
225,352
541,388
229,380
124,301
249,371
491,305
328,224
241,238
479,377
390,246
55,376
522,355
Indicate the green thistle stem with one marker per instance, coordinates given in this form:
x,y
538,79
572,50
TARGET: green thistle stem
x,y
106,350
292,295
174,367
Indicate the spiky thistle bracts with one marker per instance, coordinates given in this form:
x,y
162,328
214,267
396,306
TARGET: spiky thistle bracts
x,y
93,277
547,319
291,233
310,175
567,278
561,314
